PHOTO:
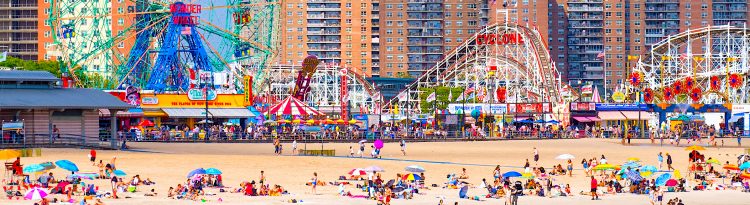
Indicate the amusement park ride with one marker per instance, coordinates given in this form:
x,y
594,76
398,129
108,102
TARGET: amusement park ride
x,y
172,47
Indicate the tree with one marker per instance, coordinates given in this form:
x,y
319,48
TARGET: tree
x,y
441,97
44,65
403,75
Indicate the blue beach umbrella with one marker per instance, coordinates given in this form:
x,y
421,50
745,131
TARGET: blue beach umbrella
x,y
33,168
196,171
512,174
745,166
67,165
120,173
649,168
213,171
634,176
662,179
631,165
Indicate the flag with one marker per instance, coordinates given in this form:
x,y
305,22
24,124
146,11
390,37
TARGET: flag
x,y
4,56
601,55
431,97
595,97
401,96
450,96
461,97
471,96
187,30
469,90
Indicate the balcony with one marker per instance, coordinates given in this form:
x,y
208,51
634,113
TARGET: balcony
x,y
425,43
663,9
661,1
324,33
585,1
592,76
586,34
323,1
323,8
18,40
426,1
425,34
583,42
724,9
18,6
593,68
734,16
375,40
585,17
662,16
323,25
421,16
321,16
324,48
424,8
585,25
585,8
728,1
311,41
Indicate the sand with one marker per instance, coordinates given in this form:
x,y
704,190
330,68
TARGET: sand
x,y
168,164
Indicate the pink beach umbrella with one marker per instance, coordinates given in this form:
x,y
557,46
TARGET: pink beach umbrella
x,y
357,172
378,144
35,194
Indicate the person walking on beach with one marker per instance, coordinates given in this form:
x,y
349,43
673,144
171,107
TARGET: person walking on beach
x,y
594,185
669,162
361,149
294,147
660,159
314,183
92,156
536,157
570,168
403,146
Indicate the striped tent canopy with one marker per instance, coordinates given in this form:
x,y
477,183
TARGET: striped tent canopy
x,y
292,106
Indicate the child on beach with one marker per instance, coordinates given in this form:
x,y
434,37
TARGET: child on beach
x,y
351,151
294,147
361,149
536,156
403,147
314,183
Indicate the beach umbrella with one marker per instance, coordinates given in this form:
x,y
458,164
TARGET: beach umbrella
x,y
296,121
463,191
35,193
630,164
146,123
80,176
539,121
7,154
340,121
329,121
119,173
269,122
412,177
634,176
604,167
511,174
414,168
527,176
310,122
352,121
695,148
649,168
745,166
731,167
745,175
362,141
67,165
646,173
565,157
378,144
713,161
374,169
634,159
553,122
48,165
357,172
213,171
662,179
196,172
33,168
671,182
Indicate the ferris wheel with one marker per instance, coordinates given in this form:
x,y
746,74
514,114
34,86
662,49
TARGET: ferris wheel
x,y
161,45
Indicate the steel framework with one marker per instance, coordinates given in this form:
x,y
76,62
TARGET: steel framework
x,y
705,65
325,87
524,68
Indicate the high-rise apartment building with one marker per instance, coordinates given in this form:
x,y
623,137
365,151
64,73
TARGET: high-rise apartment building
x,y
19,28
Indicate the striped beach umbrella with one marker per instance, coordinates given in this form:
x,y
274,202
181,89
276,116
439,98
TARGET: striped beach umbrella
x,y
292,106
412,177
35,194
357,172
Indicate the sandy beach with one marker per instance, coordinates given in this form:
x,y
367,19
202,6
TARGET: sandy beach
x,y
168,164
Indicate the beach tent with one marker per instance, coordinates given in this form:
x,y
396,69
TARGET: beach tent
x,y
292,106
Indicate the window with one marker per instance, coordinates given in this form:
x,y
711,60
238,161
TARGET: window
x,y
348,5
400,6
447,31
363,13
348,21
289,21
389,14
120,22
348,54
363,45
121,45
363,62
363,21
300,6
299,38
288,13
363,5
299,21
400,48
704,6
348,13
389,40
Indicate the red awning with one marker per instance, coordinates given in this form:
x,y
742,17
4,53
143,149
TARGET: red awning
x,y
594,119
582,119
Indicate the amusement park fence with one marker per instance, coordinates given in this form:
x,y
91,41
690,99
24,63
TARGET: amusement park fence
x,y
101,141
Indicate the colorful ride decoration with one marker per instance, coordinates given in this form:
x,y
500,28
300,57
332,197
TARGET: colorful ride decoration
x,y
715,83
501,94
689,82
695,94
735,80
677,87
648,95
636,78
668,93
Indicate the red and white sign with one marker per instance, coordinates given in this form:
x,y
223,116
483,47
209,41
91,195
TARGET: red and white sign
x,y
499,39
530,108
585,106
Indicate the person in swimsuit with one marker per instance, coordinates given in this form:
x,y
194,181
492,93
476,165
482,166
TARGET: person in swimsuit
x,y
314,182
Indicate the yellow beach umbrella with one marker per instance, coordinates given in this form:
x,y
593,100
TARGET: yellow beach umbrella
x,y
296,121
646,174
605,167
352,121
695,147
677,174
634,159
713,161
329,121
310,122
9,154
339,121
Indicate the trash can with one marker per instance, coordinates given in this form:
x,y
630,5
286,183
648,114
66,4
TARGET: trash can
x,y
38,152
